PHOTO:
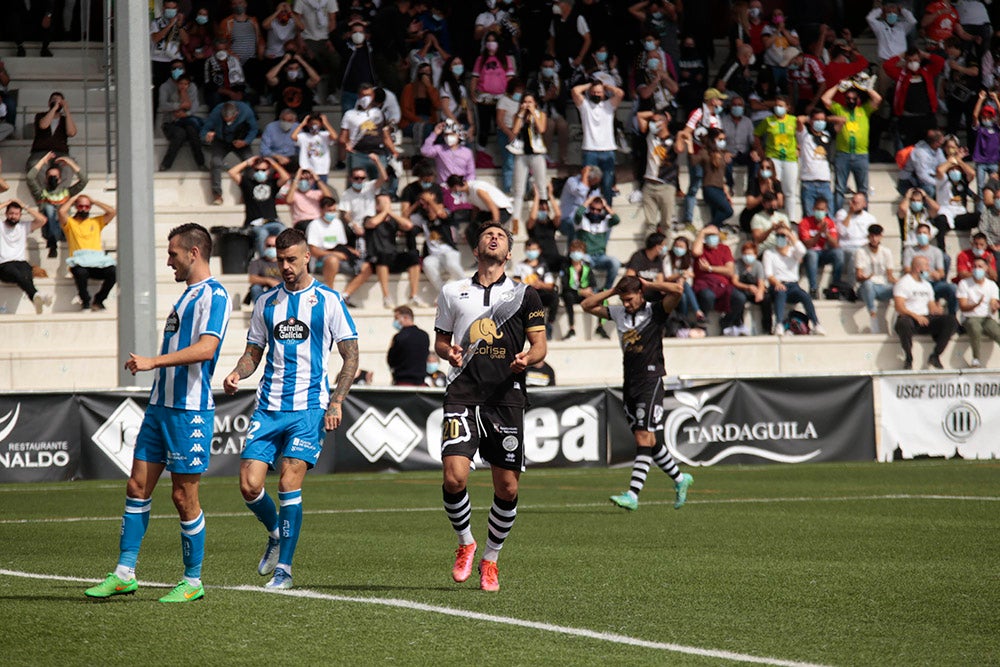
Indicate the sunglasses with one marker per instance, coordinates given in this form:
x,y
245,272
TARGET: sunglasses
x,y
358,178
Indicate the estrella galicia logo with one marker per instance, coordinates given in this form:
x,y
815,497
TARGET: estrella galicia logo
x,y
291,331
173,323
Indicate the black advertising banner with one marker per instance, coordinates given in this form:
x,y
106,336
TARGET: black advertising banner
x,y
790,420
39,438
109,424
395,430
621,442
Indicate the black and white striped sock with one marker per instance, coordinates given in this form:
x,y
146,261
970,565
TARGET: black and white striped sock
x,y
666,462
643,459
459,509
502,515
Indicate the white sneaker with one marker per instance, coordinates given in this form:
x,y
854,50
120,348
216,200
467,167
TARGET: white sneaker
x,y
976,364
417,302
39,301
387,302
729,331
779,330
875,326
818,330
635,197
743,330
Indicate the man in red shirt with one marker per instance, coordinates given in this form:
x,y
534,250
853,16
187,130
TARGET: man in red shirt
x,y
818,233
915,109
714,268
940,22
966,259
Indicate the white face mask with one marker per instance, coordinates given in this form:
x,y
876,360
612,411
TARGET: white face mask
x,y
221,55
358,38
913,65
365,101
451,139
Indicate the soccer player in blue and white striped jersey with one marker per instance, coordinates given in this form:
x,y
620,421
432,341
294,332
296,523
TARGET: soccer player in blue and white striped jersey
x,y
176,431
296,324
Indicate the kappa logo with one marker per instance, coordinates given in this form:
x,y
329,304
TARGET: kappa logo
x,y
484,329
197,434
116,436
197,449
196,461
218,291
197,419
394,434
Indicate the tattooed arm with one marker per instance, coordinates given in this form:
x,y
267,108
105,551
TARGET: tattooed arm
x,y
244,368
349,353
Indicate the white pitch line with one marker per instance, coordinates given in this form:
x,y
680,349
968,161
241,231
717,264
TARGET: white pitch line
x,y
608,637
525,507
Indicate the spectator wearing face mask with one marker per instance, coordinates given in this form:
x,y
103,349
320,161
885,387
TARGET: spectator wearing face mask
x,y
332,243
507,108
305,192
765,225
891,24
915,101
967,258
678,267
542,223
647,263
230,128
359,67
661,19
739,140
979,300
491,74
19,221
179,102
197,44
713,161
776,138
87,259
937,266
578,283
53,130
456,105
989,221
852,139
246,40
818,233
450,157
985,140
264,272
259,180
872,266
293,83
915,209
224,77
954,176
51,186
660,180
276,140
815,148
748,28
165,41
749,279
714,269
314,136
283,28
533,271
781,268
701,120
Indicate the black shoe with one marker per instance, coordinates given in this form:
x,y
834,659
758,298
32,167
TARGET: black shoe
x,y
46,53
53,252
601,333
570,335
813,293
934,361
908,364
20,51
341,165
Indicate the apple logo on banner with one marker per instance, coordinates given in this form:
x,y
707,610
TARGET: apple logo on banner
x,y
687,437
116,436
374,435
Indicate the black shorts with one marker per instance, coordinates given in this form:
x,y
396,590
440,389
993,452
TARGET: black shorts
x,y
496,432
397,262
644,404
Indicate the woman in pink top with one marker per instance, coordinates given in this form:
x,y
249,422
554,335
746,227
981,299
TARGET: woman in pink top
x,y
304,193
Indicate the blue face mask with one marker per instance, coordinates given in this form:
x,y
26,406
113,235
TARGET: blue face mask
x,y
819,215
177,73
169,13
766,173
649,45
201,19
712,240
550,72
602,56
458,70
517,97
819,125
978,274
532,254
653,63
329,216
426,185
923,239
926,275
397,325
542,215
357,186
736,112
432,368
749,259
260,176
891,18
781,241
916,206
305,186
780,111
270,253
954,176
679,250
576,256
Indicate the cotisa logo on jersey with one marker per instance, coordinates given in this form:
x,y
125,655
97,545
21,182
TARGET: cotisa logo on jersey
x,y
485,330
291,331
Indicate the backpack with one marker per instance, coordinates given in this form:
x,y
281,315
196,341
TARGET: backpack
x,y
903,156
797,323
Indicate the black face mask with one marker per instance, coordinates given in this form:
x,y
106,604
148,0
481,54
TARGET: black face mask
x,y
81,215
850,104
52,182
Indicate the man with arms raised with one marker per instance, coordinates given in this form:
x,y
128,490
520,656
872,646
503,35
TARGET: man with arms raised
x,y
176,432
297,322
481,328
640,331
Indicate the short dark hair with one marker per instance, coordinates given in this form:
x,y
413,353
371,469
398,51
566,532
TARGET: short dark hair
x,y
193,235
455,180
654,239
495,225
769,196
628,285
980,235
288,238
821,199
423,169
405,311
13,204
875,229
327,201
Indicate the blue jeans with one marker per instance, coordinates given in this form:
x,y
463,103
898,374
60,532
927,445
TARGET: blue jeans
x,y
606,161
792,293
850,163
944,289
719,206
260,234
610,265
869,292
737,306
696,173
53,232
506,163
981,170
818,258
689,302
810,191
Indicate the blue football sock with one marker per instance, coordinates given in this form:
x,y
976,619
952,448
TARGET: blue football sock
x,y
265,511
291,522
193,545
134,522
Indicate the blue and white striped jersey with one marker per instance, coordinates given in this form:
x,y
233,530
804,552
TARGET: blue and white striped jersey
x,y
203,309
297,331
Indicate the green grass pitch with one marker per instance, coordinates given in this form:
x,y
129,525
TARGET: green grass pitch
x,y
835,564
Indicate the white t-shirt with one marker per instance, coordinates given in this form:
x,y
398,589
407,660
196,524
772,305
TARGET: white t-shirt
x,y
983,293
598,125
14,240
972,12
917,294
326,235
502,201
360,204
316,17
950,204
358,122
854,235
314,151
875,264
507,104
785,268
814,157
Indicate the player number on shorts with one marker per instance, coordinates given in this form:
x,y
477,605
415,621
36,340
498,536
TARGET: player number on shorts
x,y
452,429
254,425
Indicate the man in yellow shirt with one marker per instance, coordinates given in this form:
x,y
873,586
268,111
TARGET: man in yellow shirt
x,y
87,259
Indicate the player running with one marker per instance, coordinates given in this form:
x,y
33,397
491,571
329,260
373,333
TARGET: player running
x,y
297,323
640,332
176,431
482,324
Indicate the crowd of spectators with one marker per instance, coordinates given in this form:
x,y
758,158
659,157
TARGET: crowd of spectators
x,y
431,92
